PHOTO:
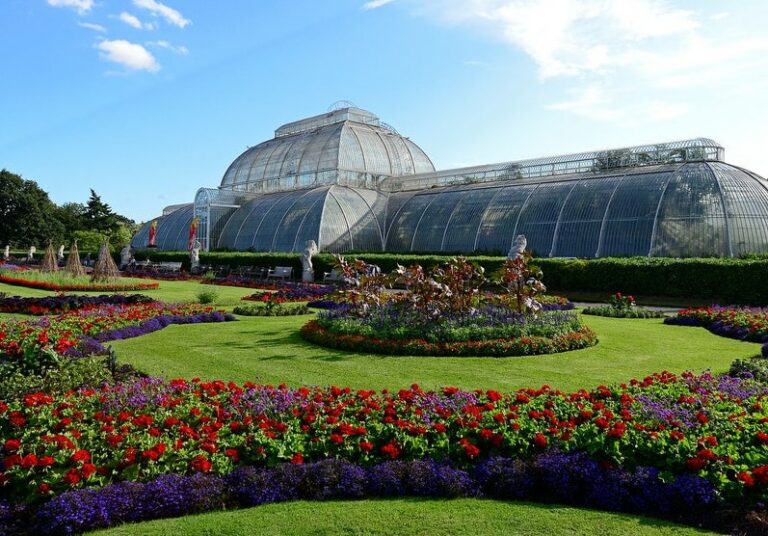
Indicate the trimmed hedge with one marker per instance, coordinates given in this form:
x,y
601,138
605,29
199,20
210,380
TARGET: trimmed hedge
x,y
727,280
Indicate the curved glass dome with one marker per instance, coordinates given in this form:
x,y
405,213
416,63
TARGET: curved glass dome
x,y
348,146
172,230
688,209
337,218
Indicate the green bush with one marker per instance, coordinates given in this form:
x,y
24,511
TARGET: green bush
x,y
727,280
613,312
68,375
277,310
207,296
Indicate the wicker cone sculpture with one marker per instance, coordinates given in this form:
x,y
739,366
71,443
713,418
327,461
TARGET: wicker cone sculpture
x,y
50,260
73,267
105,268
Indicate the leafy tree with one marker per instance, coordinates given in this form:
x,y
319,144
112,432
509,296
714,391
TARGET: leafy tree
x,y
72,216
27,215
99,216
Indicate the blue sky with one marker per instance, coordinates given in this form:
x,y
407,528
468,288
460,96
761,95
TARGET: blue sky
x,y
147,100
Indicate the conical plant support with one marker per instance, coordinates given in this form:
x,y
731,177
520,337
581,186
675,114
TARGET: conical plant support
x,y
105,268
50,260
74,268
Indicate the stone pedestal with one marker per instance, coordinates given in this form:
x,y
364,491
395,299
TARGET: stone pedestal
x,y
308,276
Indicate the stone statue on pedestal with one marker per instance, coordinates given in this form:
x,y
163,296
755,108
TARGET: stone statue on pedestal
x,y
7,253
518,247
31,253
125,256
194,255
308,272
60,254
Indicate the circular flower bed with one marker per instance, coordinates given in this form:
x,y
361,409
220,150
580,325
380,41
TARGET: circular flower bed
x,y
497,341
444,313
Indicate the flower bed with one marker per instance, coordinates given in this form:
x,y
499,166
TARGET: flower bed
x,y
567,478
703,436
61,284
314,331
34,345
53,305
743,323
612,312
622,306
277,310
293,293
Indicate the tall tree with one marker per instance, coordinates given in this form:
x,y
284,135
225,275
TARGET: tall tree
x,y
27,215
99,216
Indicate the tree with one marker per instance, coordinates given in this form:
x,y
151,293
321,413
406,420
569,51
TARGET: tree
x,y
72,216
99,216
27,215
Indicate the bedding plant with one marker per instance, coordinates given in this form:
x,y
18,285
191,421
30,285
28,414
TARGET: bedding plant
x,y
444,312
622,306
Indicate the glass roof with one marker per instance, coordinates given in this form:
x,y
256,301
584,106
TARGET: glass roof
x,y
348,146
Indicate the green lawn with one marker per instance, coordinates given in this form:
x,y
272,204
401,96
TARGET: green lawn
x,y
406,517
269,350
170,291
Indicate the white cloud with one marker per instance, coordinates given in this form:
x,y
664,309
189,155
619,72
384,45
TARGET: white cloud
x,y
134,22
169,14
180,50
82,6
374,4
132,56
95,27
619,58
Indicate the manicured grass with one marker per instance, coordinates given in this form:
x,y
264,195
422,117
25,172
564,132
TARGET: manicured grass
x,y
406,516
270,350
169,291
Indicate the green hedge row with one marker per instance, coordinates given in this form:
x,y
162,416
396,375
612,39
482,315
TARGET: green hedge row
x,y
727,280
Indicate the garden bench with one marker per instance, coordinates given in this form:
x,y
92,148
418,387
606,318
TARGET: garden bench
x,y
280,272
169,267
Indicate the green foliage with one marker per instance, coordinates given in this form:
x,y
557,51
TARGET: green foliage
x,y
27,215
206,296
276,310
756,367
65,375
727,280
615,312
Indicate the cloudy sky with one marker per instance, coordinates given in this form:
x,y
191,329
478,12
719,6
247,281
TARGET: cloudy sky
x,y
147,100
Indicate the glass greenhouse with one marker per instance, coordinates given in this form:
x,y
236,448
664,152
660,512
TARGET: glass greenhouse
x,y
350,182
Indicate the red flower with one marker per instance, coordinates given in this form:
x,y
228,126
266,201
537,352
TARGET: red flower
x,y
88,469
337,438
201,464
297,459
695,464
44,488
540,440
233,454
81,456
746,478
29,461
12,445
46,461
366,446
762,437
72,477
391,450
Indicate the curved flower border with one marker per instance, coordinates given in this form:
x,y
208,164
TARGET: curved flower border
x,y
313,332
